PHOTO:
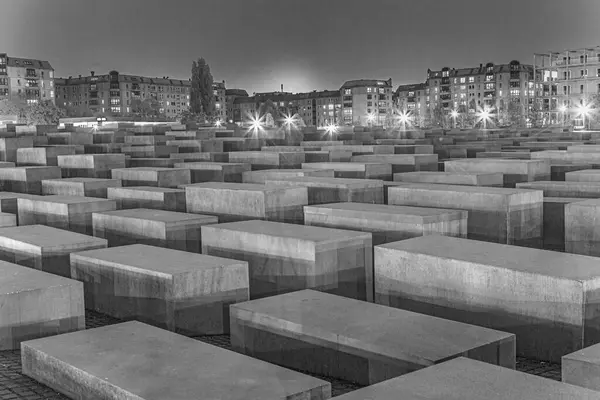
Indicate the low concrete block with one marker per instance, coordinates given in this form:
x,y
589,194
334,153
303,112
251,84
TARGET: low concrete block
x,y
286,257
10,146
36,304
355,170
263,176
582,368
26,179
388,223
7,219
90,165
586,190
260,160
215,172
357,341
513,171
160,177
175,290
44,248
84,187
173,230
41,156
148,197
150,162
586,175
133,360
402,162
334,190
559,170
524,291
493,179
243,201
554,222
582,236
148,151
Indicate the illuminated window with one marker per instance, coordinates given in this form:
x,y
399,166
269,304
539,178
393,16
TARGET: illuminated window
x,y
369,90
115,109
471,79
515,92
462,80
382,90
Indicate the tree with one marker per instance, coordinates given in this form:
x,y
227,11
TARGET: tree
x,y
437,116
514,116
45,113
202,99
146,109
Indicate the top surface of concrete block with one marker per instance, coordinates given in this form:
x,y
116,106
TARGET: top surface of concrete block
x,y
81,180
151,363
160,215
372,328
466,379
523,259
16,278
344,166
319,181
48,237
69,199
147,189
300,232
403,213
137,257
467,189
233,186
589,355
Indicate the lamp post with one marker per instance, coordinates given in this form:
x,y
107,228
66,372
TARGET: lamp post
x,y
370,119
454,114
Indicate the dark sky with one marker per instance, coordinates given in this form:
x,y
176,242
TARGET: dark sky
x,y
304,44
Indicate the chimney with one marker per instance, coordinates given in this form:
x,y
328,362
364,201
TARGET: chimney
x,y
92,73
480,66
282,88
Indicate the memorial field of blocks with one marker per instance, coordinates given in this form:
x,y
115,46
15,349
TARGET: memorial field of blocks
x,y
412,263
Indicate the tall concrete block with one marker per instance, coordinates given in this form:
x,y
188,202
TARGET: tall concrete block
x,y
388,223
243,201
214,172
582,368
9,147
265,175
148,197
554,221
502,215
552,309
589,190
175,290
133,360
90,165
403,162
493,179
173,230
26,179
372,343
582,236
355,170
84,187
41,156
335,190
286,257
44,248
146,176
514,171
37,304
71,213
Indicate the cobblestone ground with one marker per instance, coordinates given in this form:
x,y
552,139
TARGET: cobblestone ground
x,y
15,386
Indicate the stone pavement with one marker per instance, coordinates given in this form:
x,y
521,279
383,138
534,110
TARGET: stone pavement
x,y
15,386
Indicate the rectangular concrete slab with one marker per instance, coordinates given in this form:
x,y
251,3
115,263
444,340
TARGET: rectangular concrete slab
x,y
589,190
243,201
265,175
550,307
71,213
388,223
355,170
287,257
42,156
582,368
84,187
582,235
334,190
147,176
35,304
260,160
214,172
502,215
466,379
90,165
44,248
586,175
558,170
176,290
554,221
493,179
355,340
514,171
133,360
148,197
402,162
173,230
26,179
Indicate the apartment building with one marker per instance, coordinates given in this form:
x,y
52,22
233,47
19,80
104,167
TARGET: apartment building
x,y
219,91
565,81
26,81
230,96
114,93
366,101
411,98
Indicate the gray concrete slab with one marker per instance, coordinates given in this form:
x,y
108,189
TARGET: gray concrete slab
x,y
554,221
90,165
493,179
148,176
148,197
215,172
261,177
513,171
582,368
402,162
41,156
26,179
582,236
84,187
260,160
586,190
355,170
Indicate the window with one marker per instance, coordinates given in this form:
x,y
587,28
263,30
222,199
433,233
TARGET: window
x,y
115,102
489,86
349,91
369,90
471,79
515,92
382,90
369,110
580,88
115,109
462,80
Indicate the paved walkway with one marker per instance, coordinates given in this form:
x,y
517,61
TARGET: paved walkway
x,y
15,386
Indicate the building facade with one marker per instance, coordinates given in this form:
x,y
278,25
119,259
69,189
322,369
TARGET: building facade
x,y
25,81
366,101
565,81
119,95
411,98
220,101
230,96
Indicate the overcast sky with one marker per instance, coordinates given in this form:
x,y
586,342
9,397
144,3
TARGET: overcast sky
x,y
258,45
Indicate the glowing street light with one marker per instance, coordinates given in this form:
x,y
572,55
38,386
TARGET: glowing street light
x,y
484,115
218,123
563,110
331,129
256,123
370,118
584,111
454,114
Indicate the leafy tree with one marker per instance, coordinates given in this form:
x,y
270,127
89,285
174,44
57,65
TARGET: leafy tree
x,y
268,107
514,116
146,109
437,116
45,113
202,99
7,107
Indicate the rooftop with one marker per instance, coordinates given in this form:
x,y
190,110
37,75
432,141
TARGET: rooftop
x,y
28,63
366,82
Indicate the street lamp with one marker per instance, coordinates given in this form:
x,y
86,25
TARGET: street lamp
x,y
584,110
331,129
454,114
218,123
484,115
370,118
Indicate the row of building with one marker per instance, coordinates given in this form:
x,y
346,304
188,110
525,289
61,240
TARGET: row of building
x,y
553,87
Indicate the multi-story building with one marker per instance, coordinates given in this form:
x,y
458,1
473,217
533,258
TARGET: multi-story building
x,y
366,101
118,94
411,98
230,96
220,101
565,81
26,81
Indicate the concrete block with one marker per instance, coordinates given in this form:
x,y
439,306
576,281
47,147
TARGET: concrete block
x,y
90,165
242,201
133,360
26,179
413,149
514,171
281,174
587,190
582,236
44,248
7,219
286,257
194,157
402,162
148,197
71,213
335,190
9,147
36,304
214,172
528,292
175,290
160,177
388,223
148,151
260,160
173,230
78,138
146,140
467,379
355,170
586,175
355,340
84,187
558,171
150,162
493,179
8,201
502,215
582,368
41,156
554,222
